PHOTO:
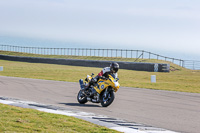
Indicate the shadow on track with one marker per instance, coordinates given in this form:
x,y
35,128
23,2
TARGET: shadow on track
x,y
80,105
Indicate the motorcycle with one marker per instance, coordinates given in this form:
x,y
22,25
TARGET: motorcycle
x,y
105,88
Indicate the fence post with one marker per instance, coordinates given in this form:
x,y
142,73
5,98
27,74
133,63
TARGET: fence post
x,y
142,54
40,51
149,55
131,53
193,65
48,51
75,52
137,54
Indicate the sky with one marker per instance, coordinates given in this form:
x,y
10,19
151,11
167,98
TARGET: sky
x,y
160,26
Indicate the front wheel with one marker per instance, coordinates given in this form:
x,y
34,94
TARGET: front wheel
x,y
107,99
82,98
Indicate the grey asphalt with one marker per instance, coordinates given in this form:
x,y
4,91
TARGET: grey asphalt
x,y
176,111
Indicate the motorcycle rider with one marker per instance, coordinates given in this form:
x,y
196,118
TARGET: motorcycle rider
x,y
113,69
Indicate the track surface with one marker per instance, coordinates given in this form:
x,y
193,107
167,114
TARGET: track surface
x,y
176,111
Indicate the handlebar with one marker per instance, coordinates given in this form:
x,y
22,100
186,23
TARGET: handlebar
x,y
103,77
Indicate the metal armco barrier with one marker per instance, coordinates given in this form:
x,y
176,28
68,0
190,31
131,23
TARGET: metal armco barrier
x,y
118,53
151,67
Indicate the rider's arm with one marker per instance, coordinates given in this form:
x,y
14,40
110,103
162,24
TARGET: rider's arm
x,y
104,71
116,75
101,73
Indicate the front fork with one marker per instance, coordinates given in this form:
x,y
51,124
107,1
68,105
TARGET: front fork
x,y
106,93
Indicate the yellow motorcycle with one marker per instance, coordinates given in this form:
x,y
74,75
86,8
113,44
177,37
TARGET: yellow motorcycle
x,y
105,88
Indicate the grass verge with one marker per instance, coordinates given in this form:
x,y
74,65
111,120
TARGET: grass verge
x,y
16,119
173,66
180,80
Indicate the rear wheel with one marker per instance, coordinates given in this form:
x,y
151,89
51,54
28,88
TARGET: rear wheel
x,y
107,99
82,98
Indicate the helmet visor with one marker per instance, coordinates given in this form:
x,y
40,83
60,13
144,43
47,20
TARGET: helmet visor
x,y
115,70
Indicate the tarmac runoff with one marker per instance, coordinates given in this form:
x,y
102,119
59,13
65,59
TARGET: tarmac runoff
x,y
112,123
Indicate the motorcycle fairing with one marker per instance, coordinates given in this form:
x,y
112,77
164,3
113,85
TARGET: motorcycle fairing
x,y
103,84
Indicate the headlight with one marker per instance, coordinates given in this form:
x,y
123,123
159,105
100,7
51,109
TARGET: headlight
x,y
116,84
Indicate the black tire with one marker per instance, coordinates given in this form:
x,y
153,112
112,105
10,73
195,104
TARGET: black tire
x,y
107,101
82,99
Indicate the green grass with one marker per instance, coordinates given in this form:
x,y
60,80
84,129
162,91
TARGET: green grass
x,y
179,79
173,66
16,119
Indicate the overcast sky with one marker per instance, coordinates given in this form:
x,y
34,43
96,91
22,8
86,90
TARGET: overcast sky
x,y
152,25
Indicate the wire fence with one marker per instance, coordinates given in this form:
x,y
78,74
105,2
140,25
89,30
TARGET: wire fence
x,y
191,64
121,53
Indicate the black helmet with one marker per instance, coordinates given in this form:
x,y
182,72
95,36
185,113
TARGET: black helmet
x,y
114,66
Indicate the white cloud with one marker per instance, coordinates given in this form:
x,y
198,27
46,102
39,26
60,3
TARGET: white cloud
x,y
172,24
